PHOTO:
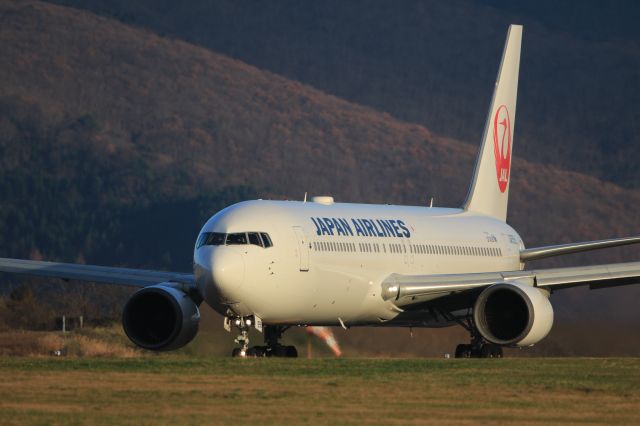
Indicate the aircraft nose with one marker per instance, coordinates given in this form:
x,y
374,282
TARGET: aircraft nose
x,y
227,272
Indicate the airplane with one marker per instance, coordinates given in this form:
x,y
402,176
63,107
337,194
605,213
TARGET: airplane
x,y
273,265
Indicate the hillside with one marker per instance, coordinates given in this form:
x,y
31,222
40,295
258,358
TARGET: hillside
x,y
434,63
116,143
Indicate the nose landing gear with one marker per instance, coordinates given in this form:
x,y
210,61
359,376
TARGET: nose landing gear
x,y
272,333
243,325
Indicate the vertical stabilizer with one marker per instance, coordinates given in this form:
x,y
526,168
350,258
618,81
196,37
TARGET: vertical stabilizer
x,y
489,191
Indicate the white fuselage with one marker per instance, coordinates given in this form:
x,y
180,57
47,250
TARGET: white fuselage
x,y
328,261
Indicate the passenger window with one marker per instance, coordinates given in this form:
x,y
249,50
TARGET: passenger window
x,y
266,240
254,239
237,238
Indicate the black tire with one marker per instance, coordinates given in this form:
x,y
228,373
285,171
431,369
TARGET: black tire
x,y
463,351
291,352
235,352
497,351
279,351
486,351
491,351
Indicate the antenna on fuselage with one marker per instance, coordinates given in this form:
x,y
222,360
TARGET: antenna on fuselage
x,y
431,202
305,198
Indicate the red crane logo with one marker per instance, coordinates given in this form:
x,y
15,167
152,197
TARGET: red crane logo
x,y
502,146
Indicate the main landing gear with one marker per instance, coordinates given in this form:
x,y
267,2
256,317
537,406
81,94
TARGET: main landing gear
x,y
271,348
478,348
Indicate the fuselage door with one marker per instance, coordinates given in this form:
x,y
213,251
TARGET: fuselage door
x,y
303,248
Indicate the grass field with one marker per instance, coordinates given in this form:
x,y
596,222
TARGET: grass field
x,y
182,390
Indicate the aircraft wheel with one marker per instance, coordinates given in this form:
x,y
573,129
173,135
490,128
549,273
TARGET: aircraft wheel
x,y
463,351
490,351
291,352
486,351
497,351
260,351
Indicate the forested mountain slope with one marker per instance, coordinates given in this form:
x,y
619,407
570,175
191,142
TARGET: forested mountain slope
x,y
434,62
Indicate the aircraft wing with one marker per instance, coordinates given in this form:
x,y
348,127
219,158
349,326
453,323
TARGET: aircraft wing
x,y
562,249
102,274
406,290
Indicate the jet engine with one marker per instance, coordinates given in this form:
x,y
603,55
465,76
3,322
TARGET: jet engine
x,y
513,314
160,318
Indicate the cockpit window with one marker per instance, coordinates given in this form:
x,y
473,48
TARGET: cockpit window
x,y
266,240
254,238
237,238
210,239
260,239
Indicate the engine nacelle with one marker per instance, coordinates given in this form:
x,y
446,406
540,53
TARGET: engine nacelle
x,y
513,314
160,318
